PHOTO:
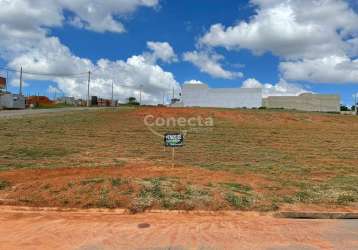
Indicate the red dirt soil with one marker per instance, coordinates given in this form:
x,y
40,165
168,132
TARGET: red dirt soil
x,y
242,115
33,182
61,187
131,170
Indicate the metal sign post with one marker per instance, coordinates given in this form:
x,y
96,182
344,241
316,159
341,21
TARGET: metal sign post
x,y
173,156
173,140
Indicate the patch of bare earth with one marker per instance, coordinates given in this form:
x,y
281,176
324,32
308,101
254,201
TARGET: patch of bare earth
x,y
85,187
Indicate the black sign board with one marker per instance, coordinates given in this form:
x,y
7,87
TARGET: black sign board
x,y
174,140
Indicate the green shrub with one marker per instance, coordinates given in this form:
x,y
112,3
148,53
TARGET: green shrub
x,y
4,184
345,199
239,202
117,182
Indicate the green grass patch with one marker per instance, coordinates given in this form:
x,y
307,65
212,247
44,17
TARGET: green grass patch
x,y
104,200
288,149
237,187
165,193
118,182
243,202
53,106
119,163
35,153
92,181
341,190
4,184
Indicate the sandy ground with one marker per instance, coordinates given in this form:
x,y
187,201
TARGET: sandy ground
x,y
93,230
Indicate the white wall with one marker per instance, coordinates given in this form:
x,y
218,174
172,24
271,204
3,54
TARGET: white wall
x,y
200,95
305,102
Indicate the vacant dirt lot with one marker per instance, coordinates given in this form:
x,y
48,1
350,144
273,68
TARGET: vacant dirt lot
x,y
247,159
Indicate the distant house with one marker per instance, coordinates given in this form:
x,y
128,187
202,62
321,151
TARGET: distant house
x,y
305,102
38,100
2,83
101,102
12,101
67,100
200,95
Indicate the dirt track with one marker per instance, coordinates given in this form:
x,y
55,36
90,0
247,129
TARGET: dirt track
x,y
98,230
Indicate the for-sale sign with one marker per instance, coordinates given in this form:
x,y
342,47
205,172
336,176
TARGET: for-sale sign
x,y
174,140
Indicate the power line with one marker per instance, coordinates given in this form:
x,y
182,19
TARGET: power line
x,y
88,88
43,74
20,92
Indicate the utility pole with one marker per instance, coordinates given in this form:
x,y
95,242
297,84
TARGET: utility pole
x,y
140,95
112,104
7,79
88,88
20,92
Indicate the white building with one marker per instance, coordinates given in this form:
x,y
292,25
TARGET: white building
x,y
11,101
200,95
305,102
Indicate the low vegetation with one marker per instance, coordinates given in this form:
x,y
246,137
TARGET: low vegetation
x,y
270,158
4,184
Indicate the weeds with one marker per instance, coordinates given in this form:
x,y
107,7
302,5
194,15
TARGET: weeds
x,y
237,187
341,190
92,181
4,184
163,192
38,153
103,198
118,182
239,202
267,144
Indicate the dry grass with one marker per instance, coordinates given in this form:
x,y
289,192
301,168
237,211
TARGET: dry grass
x,y
287,157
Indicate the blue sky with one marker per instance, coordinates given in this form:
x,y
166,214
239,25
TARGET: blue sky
x,y
183,24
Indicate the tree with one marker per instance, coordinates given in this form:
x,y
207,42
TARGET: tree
x,y
132,101
344,108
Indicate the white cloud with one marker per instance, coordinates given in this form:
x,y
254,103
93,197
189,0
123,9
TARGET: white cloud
x,y
102,16
26,42
336,69
127,75
298,32
53,90
251,83
282,88
290,29
162,51
23,23
209,62
193,82
15,82
49,55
